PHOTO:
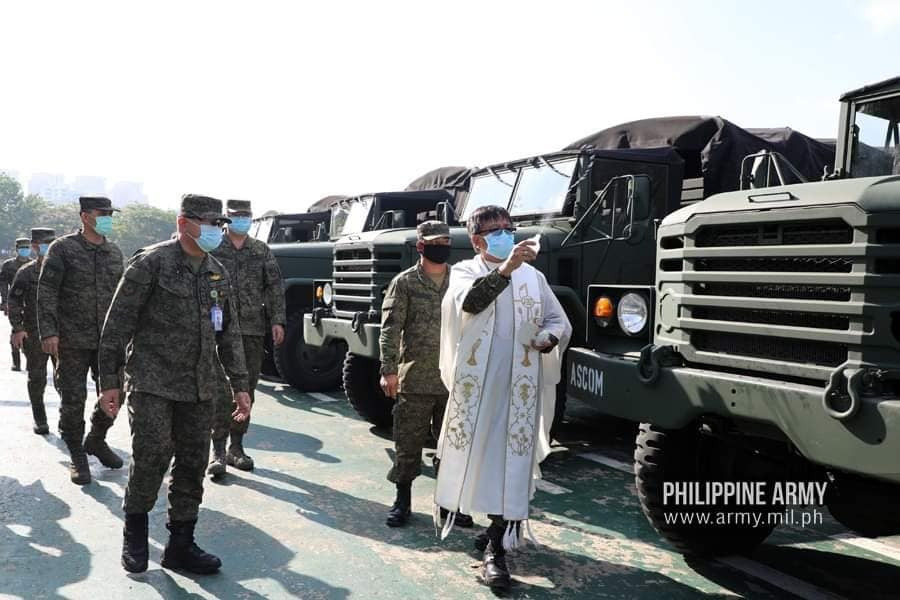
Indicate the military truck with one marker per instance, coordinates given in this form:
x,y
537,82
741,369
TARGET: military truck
x,y
579,200
766,348
318,368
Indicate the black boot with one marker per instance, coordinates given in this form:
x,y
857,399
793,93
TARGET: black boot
x,y
16,360
135,552
40,416
217,465
79,470
236,457
182,553
95,445
460,520
494,569
402,510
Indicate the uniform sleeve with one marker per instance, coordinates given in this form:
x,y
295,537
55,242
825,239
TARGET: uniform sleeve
x,y
53,271
484,291
15,307
231,348
393,319
4,282
121,321
274,293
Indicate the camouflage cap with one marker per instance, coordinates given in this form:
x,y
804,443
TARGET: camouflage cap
x,y
233,206
20,242
96,203
432,230
42,235
203,207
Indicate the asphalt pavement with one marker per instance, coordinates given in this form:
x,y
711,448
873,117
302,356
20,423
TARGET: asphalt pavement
x,y
308,522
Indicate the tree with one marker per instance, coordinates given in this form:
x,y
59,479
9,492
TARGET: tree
x,y
136,226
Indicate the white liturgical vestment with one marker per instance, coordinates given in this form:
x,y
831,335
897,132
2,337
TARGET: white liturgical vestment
x,y
502,392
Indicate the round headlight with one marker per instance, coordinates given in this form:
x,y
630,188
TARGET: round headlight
x,y
632,313
327,294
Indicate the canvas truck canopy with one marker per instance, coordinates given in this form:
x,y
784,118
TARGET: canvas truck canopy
x,y
324,204
713,148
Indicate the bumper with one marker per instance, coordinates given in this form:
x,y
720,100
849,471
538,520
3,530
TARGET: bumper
x,y
868,444
363,342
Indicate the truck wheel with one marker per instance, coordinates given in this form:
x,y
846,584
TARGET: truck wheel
x,y
361,385
865,506
308,368
684,455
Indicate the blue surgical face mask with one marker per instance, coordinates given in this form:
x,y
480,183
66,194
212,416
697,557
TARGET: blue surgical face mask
x,y
240,225
210,237
23,252
42,249
103,225
499,244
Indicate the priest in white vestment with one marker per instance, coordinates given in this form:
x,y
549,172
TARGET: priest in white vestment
x,y
503,334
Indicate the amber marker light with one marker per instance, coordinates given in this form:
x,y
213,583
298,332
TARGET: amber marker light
x,y
603,310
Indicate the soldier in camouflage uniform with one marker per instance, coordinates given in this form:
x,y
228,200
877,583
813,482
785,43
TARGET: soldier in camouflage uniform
x,y
174,315
77,281
410,344
22,311
256,280
8,271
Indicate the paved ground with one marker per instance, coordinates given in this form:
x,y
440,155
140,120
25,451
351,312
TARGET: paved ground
x,y
308,523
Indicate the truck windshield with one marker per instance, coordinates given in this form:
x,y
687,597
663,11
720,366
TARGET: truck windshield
x,y
542,188
351,217
490,188
877,151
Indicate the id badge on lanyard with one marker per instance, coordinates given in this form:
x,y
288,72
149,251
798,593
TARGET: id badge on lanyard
x,y
215,313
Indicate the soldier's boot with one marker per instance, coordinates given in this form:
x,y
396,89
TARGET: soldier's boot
x,y
401,511
217,466
236,457
39,413
135,552
182,553
16,360
79,470
493,568
95,445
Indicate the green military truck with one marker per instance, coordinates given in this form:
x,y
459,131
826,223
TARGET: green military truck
x,y
580,200
767,348
319,367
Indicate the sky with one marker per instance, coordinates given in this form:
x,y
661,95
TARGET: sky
x,y
283,103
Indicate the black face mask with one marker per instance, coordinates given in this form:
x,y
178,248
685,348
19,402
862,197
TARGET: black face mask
x,y
436,253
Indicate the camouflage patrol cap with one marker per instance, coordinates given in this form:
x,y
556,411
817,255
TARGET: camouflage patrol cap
x,y
22,242
95,203
432,230
203,207
42,235
236,206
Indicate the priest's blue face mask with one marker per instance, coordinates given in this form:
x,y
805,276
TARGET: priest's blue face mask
x,y
500,243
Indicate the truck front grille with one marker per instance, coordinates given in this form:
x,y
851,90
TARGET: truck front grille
x,y
360,278
749,298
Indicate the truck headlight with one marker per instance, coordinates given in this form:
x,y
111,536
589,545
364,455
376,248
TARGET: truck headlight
x,y
327,294
632,313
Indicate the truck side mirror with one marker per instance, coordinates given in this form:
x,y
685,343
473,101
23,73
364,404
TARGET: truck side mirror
x,y
321,234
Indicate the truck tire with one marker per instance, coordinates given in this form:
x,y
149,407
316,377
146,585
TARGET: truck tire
x,y
865,506
361,385
662,456
308,368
